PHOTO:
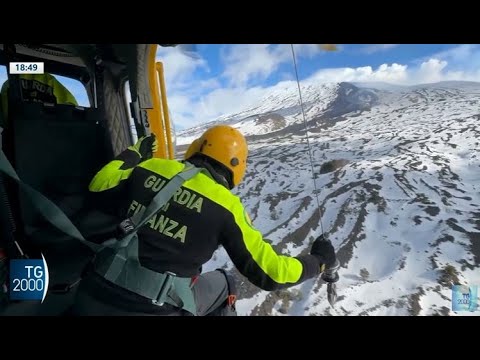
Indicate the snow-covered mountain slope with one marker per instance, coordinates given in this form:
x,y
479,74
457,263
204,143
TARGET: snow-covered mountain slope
x,y
398,174
281,108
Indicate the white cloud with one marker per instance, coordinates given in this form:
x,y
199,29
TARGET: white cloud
x,y
431,71
178,66
180,102
464,57
258,61
447,67
394,73
229,100
459,53
371,49
191,111
247,61
428,71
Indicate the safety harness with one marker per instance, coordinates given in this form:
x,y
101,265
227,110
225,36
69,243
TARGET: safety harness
x,y
117,258
122,266
232,290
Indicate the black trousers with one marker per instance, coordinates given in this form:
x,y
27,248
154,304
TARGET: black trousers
x,y
210,292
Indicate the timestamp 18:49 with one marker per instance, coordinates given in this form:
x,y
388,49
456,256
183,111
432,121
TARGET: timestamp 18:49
x,y
26,68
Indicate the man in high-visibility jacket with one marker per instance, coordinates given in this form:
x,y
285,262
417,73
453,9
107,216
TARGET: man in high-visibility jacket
x,y
44,88
202,215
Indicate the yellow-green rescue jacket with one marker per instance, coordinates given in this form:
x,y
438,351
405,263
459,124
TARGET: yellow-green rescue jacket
x,y
202,215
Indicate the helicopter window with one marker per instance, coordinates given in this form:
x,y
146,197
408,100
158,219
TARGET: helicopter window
x,y
3,74
74,86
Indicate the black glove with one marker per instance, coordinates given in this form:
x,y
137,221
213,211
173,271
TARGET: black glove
x,y
146,146
323,250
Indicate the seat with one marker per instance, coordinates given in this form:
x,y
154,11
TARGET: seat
x,y
57,149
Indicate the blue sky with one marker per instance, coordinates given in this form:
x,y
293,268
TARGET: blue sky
x,y
217,58
224,78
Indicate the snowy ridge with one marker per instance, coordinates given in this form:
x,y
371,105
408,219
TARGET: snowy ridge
x,y
399,178
278,109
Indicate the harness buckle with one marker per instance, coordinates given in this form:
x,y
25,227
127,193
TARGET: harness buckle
x,y
126,227
166,286
63,288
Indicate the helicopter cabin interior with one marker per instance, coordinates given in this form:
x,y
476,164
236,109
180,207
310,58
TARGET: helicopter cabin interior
x,y
57,148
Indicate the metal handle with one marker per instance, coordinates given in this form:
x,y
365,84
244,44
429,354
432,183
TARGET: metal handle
x,y
331,276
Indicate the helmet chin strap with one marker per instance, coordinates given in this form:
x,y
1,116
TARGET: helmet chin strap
x,y
218,173
216,169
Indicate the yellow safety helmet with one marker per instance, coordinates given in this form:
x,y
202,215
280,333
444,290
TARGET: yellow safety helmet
x,y
193,148
228,146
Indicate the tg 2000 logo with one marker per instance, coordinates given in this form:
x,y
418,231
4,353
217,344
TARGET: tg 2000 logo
x,y
28,279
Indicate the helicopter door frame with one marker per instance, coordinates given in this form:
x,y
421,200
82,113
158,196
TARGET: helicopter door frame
x,y
158,116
